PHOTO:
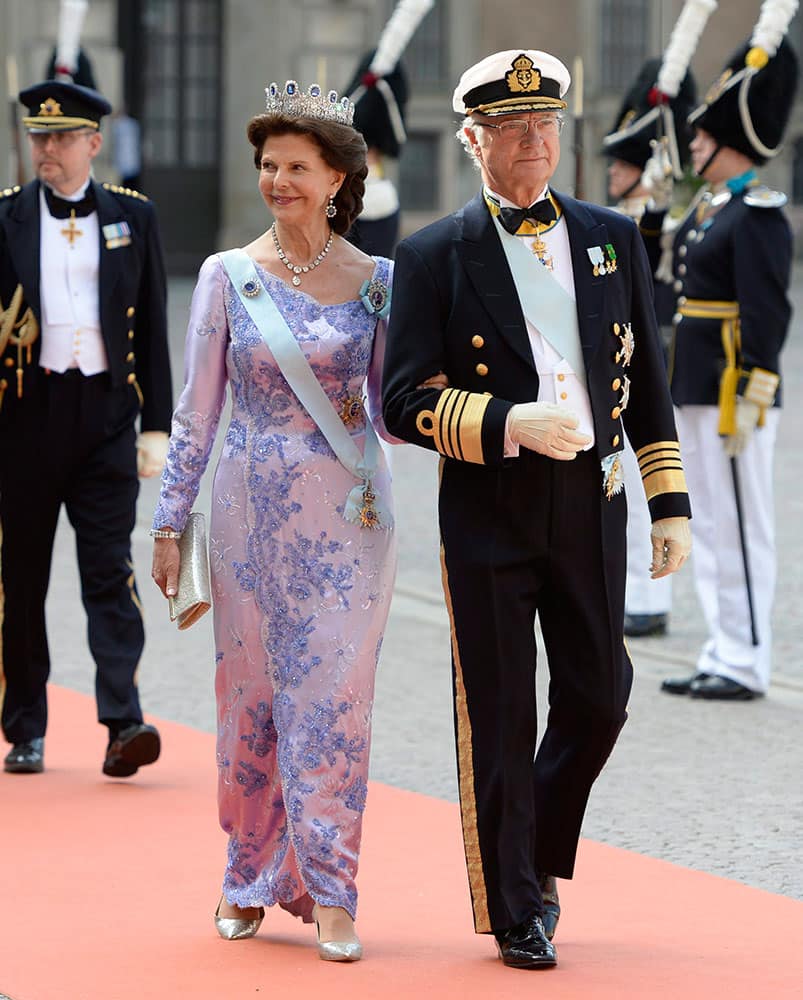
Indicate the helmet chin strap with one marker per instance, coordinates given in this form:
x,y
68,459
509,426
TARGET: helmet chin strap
x,y
708,162
631,189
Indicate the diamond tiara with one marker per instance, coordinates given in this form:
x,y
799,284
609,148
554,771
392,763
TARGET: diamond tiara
x,y
294,103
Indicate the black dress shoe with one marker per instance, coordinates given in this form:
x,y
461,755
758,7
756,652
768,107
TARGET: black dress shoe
x,y
716,688
640,626
130,749
549,894
681,685
525,946
26,758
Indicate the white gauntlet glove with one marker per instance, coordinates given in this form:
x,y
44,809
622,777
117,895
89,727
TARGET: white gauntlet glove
x,y
151,453
547,429
747,414
657,178
671,545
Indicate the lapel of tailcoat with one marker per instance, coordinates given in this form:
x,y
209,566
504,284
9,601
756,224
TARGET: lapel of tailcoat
x,y
24,240
487,268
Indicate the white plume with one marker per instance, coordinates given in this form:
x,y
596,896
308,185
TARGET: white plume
x,y
71,20
682,43
772,24
397,33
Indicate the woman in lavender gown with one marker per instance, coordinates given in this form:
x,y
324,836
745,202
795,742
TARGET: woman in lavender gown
x,y
301,594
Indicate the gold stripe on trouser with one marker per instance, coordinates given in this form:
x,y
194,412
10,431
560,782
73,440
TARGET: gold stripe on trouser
x,y
728,312
465,762
2,615
132,583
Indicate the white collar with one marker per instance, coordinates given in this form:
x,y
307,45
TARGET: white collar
x,y
507,203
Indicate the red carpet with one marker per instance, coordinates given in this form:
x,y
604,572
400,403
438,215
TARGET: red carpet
x,y
109,889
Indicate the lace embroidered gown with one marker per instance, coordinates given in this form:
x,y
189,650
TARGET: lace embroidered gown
x,y
301,596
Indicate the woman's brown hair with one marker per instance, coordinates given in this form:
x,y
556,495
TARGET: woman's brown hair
x,y
342,148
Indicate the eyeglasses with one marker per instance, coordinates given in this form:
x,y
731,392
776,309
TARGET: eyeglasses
x,y
60,139
546,128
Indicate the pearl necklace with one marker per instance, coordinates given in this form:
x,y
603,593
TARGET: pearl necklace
x,y
299,269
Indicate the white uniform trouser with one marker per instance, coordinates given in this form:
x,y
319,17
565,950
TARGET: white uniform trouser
x,y
719,571
643,596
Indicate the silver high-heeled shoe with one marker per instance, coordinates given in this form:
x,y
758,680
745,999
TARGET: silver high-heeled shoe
x,y
234,929
338,951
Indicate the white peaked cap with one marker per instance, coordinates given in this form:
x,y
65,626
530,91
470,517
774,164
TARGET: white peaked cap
x,y
511,81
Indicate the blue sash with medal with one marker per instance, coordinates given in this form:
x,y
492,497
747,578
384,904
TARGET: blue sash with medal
x,y
363,505
544,301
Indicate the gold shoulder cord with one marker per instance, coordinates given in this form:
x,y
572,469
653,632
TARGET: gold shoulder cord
x,y
28,331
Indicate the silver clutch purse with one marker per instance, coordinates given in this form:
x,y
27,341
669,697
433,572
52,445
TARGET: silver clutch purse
x,y
194,597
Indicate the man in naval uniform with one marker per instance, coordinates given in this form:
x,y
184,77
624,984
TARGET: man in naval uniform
x,y
732,259
522,344
83,353
641,149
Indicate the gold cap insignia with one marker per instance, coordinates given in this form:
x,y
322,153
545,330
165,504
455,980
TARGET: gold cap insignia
x,y
716,89
627,118
50,107
523,78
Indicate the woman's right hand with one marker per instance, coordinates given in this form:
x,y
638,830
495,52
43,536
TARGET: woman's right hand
x,y
166,562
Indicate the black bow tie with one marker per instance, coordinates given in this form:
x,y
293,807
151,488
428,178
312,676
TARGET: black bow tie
x,y
542,211
60,208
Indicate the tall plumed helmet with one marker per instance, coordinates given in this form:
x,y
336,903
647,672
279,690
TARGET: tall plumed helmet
x,y
379,115
379,86
662,96
639,120
748,107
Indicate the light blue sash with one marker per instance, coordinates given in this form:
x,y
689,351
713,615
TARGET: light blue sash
x,y
544,301
363,505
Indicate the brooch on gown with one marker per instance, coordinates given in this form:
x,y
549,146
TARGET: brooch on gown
x,y
375,296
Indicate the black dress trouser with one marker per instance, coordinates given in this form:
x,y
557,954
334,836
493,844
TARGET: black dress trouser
x,y
72,441
536,536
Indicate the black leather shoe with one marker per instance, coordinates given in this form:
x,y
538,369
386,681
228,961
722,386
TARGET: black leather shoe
x,y
525,946
715,688
640,626
131,749
549,894
26,758
681,685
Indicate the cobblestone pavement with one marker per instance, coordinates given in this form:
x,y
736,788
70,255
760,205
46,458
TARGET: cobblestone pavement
x,y
712,786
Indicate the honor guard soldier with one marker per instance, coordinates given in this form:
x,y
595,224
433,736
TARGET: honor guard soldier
x,y
522,345
647,149
379,91
83,354
732,258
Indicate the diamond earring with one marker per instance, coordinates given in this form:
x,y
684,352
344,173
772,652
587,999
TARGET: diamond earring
x,y
331,209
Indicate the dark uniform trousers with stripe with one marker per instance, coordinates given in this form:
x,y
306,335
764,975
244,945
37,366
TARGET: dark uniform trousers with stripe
x,y
79,451
70,440
529,536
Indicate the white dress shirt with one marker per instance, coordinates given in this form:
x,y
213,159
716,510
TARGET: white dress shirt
x,y
68,289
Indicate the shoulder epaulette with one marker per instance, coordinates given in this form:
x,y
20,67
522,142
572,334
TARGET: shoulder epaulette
x,y
7,192
116,189
764,197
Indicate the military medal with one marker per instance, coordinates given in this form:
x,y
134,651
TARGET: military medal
x,y
611,263
71,232
612,476
597,258
369,518
624,333
541,251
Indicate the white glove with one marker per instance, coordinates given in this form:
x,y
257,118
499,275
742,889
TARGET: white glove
x,y
151,453
547,429
671,545
657,178
747,414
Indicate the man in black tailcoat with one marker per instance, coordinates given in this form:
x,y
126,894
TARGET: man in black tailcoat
x,y
83,355
521,342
